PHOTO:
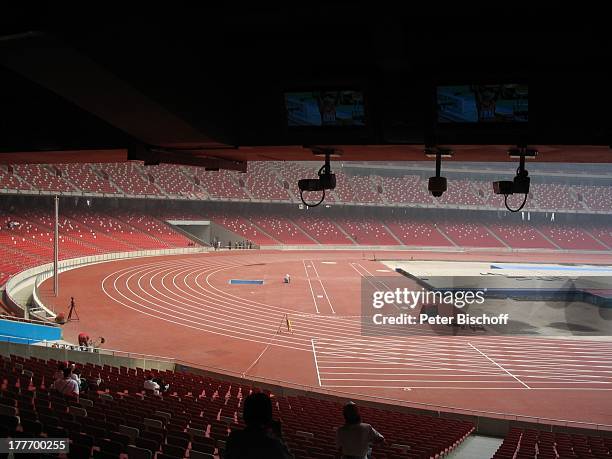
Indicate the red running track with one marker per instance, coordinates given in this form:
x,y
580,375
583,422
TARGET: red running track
x,y
184,307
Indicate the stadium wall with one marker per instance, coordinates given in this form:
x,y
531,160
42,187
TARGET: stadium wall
x,y
33,277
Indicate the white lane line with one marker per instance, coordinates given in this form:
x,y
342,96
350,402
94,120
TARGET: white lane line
x,y
312,263
497,364
367,278
502,349
310,285
329,386
314,355
373,276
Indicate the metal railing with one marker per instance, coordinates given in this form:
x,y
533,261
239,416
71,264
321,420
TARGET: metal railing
x,y
35,321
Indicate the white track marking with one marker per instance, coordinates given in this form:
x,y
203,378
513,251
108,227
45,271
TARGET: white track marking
x,y
182,293
310,285
312,263
495,363
314,355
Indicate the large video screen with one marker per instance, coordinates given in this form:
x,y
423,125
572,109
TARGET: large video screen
x,y
487,103
325,108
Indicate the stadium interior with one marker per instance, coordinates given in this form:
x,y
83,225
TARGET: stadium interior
x,y
216,190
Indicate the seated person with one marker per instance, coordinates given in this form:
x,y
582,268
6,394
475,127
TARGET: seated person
x,y
82,382
151,385
287,279
96,383
163,387
355,437
67,386
59,373
261,438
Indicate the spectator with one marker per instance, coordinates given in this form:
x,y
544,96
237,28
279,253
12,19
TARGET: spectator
x,y
94,383
76,375
163,387
354,438
67,386
261,438
59,373
150,384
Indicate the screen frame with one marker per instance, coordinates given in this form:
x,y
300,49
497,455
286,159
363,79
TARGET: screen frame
x,y
485,133
479,124
327,128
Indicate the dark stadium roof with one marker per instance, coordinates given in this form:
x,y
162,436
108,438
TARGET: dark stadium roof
x,y
203,84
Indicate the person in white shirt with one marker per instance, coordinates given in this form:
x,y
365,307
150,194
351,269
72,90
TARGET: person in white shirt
x,y
67,386
149,384
355,437
287,279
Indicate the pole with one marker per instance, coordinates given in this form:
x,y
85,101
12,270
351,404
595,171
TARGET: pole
x,y
56,248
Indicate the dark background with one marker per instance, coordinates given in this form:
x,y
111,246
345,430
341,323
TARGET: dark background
x,y
222,70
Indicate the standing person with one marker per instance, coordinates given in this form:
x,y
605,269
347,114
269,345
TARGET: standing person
x,y
84,341
354,438
262,437
287,279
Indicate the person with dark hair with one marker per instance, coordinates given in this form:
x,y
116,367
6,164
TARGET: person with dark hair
x,y
67,386
354,438
163,387
59,373
82,382
261,438
84,341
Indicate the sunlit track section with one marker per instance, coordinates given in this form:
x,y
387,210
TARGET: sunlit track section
x,y
568,364
315,279
180,292
159,290
176,294
453,364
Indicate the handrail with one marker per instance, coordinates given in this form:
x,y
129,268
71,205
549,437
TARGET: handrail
x,y
438,409
76,347
36,321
